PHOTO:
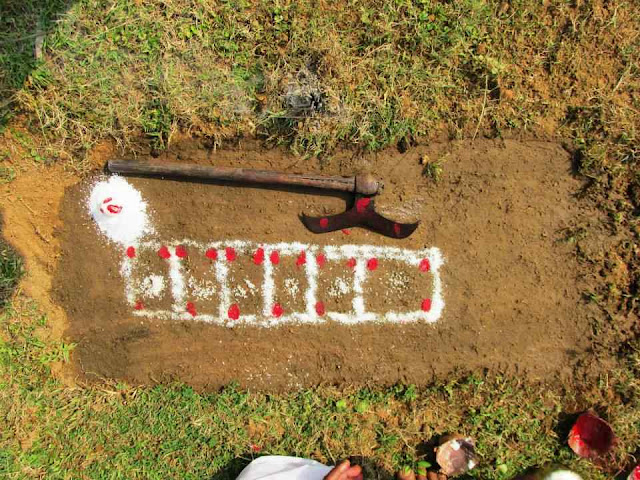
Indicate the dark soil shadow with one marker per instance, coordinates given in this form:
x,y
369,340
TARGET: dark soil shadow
x,y
23,24
232,469
427,449
564,424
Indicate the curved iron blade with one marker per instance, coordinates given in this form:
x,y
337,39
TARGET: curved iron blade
x,y
329,223
389,228
362,214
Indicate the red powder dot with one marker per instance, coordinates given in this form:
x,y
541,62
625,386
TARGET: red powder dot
x,y
320,308
139,305
131,252
396,229
181,252
191,308
372,264
426,304
164,252
258,257
274,257
362,204
230,253
351,263
321,260
212,254
107,200
302,259
346,231
234,312
324,222
425,266
277,310
114,208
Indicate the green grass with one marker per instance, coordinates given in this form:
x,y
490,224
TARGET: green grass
x,y
11,270
389,72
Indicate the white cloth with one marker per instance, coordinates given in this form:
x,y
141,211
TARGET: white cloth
x,y
272,467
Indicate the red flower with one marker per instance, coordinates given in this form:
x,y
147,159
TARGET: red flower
x,y
258,257
302,259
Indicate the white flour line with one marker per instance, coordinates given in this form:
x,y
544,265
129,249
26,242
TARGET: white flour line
x,y
361,254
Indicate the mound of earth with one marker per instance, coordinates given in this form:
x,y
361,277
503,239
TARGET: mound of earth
x,y
497,217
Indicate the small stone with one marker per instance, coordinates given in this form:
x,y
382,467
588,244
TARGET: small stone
x,y
456,456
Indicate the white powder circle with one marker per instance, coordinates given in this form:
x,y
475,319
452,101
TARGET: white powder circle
x,y
119,211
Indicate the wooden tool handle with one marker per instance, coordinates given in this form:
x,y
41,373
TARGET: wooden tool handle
x,y
363,184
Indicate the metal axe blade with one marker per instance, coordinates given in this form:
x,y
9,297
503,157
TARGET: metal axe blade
x,y
362,214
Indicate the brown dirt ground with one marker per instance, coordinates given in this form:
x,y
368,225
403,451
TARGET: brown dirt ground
x,y
512,286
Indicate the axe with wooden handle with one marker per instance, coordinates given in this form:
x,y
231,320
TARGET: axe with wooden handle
x,y
361,214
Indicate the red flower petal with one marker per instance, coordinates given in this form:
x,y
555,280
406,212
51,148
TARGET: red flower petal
x,y
362,204
114,208
277,310
425,265
258,256
234,312
302,259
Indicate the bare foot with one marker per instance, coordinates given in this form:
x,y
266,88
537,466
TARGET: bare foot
x,y
345,471
406,474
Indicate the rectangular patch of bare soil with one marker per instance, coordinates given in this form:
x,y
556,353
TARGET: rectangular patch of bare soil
x,y
511,287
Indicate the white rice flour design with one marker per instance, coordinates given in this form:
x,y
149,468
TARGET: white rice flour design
x,y
160,283
184,290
